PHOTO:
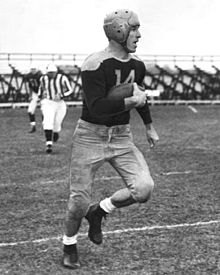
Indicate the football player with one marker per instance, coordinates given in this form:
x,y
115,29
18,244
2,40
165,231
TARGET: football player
x,y
33,79
103,132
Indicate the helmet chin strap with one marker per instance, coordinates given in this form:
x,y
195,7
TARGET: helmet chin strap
x,y
124,44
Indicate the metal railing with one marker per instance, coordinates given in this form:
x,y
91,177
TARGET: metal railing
x,y
178,77
77,59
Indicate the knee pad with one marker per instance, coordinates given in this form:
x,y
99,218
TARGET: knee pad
x,y
143,189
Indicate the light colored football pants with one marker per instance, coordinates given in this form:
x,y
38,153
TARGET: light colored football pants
x,y
33,104
53,114
92,146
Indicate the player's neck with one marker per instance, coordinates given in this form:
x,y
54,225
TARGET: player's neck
x,y
117,50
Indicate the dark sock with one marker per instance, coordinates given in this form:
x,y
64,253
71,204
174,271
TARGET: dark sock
x,y
55,137
31,117
48,135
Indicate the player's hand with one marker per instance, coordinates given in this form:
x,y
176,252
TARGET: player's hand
x,y
152,136
139,95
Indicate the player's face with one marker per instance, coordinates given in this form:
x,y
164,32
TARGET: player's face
x,y
133,38
33,70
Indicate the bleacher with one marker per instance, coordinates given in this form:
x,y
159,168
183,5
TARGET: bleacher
x,y
176,79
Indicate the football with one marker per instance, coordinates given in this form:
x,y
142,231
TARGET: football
x,y
122,91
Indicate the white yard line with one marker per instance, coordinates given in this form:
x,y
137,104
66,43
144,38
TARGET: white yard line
x,y
120,231
176,173
193,109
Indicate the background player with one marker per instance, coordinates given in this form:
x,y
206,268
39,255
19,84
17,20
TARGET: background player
x,y
103,133
33,78
53,88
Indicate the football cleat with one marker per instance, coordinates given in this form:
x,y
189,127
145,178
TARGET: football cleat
x,y
49,149
71,260
94,217
33,129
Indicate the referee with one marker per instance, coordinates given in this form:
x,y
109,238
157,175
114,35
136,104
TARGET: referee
x,y
53,88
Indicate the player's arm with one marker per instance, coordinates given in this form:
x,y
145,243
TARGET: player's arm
x,y
144,112
152,136
95,94
131,93
137,99
67,87
40,89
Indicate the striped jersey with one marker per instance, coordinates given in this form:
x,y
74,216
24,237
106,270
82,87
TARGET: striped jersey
x,y
101,72
54,88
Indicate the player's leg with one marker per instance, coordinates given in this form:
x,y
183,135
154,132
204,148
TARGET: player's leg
x,y
48,111
58,119
31,112
134,170
86,157
132,167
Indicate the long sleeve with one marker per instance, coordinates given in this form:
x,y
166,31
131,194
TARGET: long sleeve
x,y
67,87
144,113
40,89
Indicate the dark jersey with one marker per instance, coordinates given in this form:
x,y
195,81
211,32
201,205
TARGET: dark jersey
x,y
100,73
34,81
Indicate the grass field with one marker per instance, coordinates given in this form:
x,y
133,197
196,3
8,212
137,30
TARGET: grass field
x,y
177,232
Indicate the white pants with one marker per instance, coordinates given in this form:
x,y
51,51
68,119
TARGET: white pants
x,y
53,114
33,104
